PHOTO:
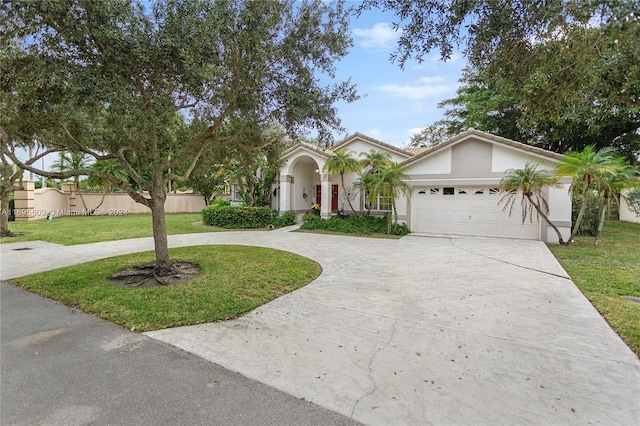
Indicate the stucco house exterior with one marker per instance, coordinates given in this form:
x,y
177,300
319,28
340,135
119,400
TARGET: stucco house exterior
x,y
455,185
627,214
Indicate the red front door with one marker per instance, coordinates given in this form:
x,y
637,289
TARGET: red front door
x,y
334,196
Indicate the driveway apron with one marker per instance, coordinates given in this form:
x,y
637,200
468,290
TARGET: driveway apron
x,y
423,331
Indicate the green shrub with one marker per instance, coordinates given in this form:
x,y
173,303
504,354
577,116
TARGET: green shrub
x,y
220,203
245,217
353,224
589,223
287,219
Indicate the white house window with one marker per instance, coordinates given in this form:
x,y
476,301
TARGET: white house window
x,y
434,191
235,192
478,191
448,190
381,203
494,191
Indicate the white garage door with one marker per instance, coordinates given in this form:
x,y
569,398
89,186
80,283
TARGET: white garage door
x,y
471,210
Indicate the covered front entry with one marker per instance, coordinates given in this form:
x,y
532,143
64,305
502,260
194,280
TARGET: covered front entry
x,y
334,196
468,210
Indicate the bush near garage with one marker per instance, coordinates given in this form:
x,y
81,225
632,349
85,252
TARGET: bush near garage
x,y
245,217
353,224
589,224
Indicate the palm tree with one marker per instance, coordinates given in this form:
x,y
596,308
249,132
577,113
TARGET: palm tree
x,y
341,162
527,185
390,181
588,169
374,159
371,162
611,184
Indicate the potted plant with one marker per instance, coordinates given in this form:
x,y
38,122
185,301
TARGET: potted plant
x,y
315,209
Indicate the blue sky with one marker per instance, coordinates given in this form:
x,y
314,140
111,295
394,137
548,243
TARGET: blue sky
x,y
398,103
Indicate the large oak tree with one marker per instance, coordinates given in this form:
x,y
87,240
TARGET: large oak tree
x,y
122,70
571,67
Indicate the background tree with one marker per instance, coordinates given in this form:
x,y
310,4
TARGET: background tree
x,y
527,185
500,110
207,179
622,177
564,62
431,135
11,179
341,162
123,71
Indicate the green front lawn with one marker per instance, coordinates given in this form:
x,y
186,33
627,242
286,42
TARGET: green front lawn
x,y
607,272
234,280
71,230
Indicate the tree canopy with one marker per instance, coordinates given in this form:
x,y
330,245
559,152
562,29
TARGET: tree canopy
x,y
500,110
568,65
152,85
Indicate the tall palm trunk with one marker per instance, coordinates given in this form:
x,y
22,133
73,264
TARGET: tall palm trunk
x,y
344,190
603,213
583,208
546,219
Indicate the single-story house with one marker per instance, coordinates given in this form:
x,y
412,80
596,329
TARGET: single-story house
x,y
455,185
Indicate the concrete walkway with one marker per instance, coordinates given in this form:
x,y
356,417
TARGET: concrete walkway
x,y
412,331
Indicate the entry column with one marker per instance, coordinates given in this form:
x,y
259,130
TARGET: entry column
x,y
325,210
285,193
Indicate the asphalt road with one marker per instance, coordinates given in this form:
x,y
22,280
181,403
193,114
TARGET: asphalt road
x,y
62,367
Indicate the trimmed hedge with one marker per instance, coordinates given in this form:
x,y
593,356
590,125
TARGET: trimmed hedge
x,y
354,224
244,217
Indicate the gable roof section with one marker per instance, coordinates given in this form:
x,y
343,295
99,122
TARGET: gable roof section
x,y
487,137
306,146
346,141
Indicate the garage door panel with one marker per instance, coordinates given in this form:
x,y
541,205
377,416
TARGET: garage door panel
x,y
470,211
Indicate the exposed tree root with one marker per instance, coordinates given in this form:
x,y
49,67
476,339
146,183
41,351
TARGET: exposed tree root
x,y
149,276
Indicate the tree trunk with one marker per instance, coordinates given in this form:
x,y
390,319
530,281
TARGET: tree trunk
x,y
583,208
4,213
603,214
7,185
546,219
161,246
395,209
345,193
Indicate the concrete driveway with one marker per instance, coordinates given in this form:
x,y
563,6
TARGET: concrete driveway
x,y
420,331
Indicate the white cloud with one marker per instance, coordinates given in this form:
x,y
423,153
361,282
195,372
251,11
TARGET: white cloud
x,y
432,79
375,133
414,131
426,87
381,36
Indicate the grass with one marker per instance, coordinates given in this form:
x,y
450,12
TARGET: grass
x,y
607,272
71,230
231,283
